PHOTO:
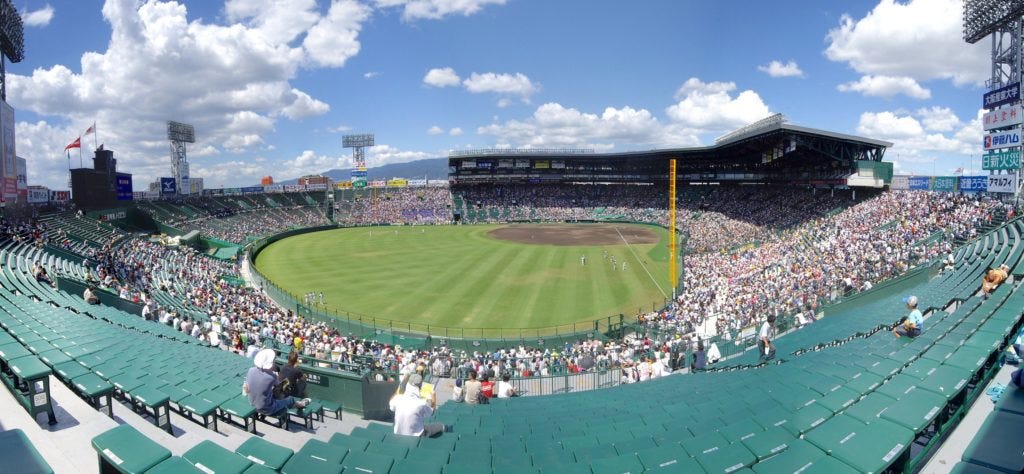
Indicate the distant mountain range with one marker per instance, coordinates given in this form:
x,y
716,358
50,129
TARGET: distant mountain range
x,y
431,168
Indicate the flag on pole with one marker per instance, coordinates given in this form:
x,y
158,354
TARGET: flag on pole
x,y
958,171
91,129
75,144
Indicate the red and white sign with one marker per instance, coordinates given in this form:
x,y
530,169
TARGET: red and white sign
x,y
1004,117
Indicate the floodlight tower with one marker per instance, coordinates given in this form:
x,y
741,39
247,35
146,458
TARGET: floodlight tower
x,y
358,143
179,134
1003,20
12,41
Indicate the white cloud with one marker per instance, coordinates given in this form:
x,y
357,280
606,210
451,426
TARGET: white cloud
x,y
455,132
304,106
385,154
435,130
919,39
777,69
511,84
441,77
38,18
914,140
133,87
371,75
938,119
553,125
504,102
334,39
436,9
886,87
710,107
702,108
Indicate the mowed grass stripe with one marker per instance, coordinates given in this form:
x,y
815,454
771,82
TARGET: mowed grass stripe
x,y
457,276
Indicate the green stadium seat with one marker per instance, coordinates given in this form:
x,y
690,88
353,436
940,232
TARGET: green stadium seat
x,y
799,456
124,449
416,466
870,407
626,463
997,444
807,418
173,465
386,448
839,399
349,442
705,443
371,463
258,469
876,447
315,457
264,453
971,468
208,456
899,386
728,458
741,430
916,411
20,455
768,443
239,408
1011,401
670,458
834,432
946,380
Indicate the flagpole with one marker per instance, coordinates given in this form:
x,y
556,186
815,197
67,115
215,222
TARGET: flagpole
x,y
80,156
95,137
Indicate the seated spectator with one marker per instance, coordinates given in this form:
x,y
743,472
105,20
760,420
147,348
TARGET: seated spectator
x,y
412,411
505,389
700,358
487,387
911,325
472,389
260,383
89,295
293,380
458,394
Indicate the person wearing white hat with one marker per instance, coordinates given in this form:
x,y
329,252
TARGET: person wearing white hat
x,y
259,386
911,325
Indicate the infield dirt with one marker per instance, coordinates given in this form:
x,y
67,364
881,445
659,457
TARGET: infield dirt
x,y
574,234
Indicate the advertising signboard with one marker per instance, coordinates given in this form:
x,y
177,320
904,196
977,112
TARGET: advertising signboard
x,y
899,182
124,187
168,187
1002,183
1003,160
944,184
920,183
1005,139
973,184
1004,117
1000,96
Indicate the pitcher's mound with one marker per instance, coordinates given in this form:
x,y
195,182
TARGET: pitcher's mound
x,y
574,234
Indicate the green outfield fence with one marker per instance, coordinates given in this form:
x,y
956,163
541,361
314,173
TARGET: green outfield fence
x,y
416,335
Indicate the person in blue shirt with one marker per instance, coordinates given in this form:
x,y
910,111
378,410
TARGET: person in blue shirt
x,y
912,325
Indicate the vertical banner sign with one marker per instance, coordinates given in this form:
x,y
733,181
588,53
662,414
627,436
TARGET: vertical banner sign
x,y
1000,96
168,186
124,188
1005,160
1002,118
1002,183
945,184
1006,139
973,184
10,184
920,183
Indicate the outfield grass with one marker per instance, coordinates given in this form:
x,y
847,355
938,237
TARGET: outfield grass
x,y
457,276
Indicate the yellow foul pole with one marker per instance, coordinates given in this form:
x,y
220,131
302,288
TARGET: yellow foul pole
x,y
673,275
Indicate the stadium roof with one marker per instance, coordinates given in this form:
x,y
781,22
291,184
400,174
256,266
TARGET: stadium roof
x,y
760,136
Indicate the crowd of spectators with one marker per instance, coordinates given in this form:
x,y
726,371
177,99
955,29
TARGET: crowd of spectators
x,y
810,247
793,273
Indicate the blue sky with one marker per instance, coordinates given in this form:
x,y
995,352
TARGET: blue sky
x,y
272,85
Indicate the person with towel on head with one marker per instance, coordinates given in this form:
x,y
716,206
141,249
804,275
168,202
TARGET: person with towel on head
x,y
260,382
412,411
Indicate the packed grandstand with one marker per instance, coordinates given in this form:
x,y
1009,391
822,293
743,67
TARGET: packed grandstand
x,y
828,265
